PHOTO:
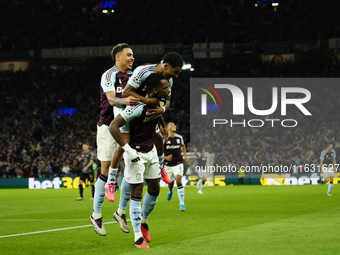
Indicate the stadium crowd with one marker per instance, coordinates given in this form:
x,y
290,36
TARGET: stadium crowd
x,y
37,141
233,21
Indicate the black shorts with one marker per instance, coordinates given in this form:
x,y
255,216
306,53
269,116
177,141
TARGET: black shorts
x,y
89,176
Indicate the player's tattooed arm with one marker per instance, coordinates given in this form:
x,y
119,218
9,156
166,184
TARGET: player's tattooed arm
x,y
116,101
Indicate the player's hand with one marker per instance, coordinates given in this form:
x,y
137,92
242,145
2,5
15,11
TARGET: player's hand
x,y
186,159
152,101
154,112
133,155
130,100
168,157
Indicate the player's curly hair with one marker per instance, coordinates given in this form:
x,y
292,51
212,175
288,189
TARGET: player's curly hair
x,y
173,59
153,81
118,48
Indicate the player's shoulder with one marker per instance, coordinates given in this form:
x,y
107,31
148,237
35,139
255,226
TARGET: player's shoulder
x,y
178,136
109,76
133,110
110,71
144,69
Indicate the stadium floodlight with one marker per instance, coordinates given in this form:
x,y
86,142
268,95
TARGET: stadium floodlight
x,y
192,69
104,11
186,66
112,11
275,4
255,5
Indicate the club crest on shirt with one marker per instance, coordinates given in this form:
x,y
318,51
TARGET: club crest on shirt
x,y
108,154
178,141
108,84
138,177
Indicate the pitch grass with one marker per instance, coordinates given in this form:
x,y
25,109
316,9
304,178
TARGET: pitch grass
x,y
224,220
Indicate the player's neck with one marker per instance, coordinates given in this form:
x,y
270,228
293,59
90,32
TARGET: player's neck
x,y
172,134
122,68
159,68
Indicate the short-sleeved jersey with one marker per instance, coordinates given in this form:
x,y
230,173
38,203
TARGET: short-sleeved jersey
x,y
86,157
140,74
112,80
172,146
328,157
142,128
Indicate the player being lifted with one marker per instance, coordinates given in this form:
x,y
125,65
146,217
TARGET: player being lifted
x,y
141,161
112,84
173,160
328,166
170,67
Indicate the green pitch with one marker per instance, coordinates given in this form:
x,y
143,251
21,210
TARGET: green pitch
x,y
224,220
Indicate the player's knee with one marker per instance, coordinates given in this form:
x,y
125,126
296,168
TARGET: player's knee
x,y
179,180
154,192
137,190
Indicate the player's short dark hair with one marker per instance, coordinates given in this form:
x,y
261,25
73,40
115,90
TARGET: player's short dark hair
x,y
329,144
118,48
173,59
153,81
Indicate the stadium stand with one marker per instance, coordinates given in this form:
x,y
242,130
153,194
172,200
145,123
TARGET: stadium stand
x,y
35,140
